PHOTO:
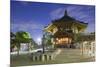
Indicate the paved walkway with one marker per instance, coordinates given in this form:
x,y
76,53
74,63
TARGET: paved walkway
x,y
65,56
72,55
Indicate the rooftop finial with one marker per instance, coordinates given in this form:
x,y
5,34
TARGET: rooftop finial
x,y
65,14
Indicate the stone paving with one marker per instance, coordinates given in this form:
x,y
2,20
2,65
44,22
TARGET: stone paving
x,y
65,56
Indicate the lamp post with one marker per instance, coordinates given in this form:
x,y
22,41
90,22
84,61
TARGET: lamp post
x,y
43,44
39,40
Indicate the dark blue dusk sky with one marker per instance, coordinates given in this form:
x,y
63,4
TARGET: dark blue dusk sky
x,y
34,16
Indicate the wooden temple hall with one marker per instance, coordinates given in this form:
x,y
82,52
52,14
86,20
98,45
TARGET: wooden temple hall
x,y
63,30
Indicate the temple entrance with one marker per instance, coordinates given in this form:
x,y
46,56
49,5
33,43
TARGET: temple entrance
x,y
64,42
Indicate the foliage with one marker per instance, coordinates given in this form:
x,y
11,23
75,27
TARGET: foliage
x,y
77,37
12,40
19,37
22,36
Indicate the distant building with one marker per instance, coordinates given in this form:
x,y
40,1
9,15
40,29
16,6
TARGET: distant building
x,y
63,30
27,46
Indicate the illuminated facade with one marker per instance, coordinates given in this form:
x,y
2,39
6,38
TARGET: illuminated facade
x,y
64,29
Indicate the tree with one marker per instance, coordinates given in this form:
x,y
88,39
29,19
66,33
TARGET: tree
x,y
12,41
22,37
46,41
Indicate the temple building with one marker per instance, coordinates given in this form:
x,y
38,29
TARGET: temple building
x,y
63,30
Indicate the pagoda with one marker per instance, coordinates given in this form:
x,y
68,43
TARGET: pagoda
x,y
63,30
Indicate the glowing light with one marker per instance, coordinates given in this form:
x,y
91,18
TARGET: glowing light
x,y
57,39
39,40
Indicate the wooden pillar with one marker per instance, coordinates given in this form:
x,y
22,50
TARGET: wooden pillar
x,y
68,42
82,48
